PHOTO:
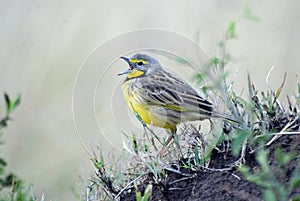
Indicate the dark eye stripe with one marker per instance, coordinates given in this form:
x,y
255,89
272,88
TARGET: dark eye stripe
x,y
139,61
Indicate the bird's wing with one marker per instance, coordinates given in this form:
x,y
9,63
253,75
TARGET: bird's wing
x,y
171,92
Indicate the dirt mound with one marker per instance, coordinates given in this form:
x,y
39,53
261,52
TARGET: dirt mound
x,y
217,185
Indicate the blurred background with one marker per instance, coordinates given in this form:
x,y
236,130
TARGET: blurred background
x,y
44,43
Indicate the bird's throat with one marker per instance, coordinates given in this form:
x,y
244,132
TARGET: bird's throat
x,y
135,74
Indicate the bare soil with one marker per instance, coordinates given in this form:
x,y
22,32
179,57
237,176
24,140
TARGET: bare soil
x,y
215,185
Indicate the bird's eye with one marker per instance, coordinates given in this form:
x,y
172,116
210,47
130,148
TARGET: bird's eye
x,y
140,63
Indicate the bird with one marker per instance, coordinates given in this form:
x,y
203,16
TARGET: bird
x,y
159,98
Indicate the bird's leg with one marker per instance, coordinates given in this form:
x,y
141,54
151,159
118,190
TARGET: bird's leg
x,y
163,150
169,138
172,135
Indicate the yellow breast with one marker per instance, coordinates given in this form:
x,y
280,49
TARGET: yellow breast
x,y
149,114
139,108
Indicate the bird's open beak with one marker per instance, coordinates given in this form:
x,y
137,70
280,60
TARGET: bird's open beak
x,y
131,66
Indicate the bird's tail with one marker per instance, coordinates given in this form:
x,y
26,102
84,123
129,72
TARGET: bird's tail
x,y
225,116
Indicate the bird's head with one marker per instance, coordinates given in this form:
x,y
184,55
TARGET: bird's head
x,y
139,65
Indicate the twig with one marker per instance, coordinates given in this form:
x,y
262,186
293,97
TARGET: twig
x,y
176,189
130,183
285,128
182,179
177,171
280,133
241,160
237,177
277,135
216,169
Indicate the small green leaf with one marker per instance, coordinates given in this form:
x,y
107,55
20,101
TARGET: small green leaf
x,y
295,182
231,30
214,61
7,102
262,159
205,89
259,180
138,195
238,139
146,147
244,169
16,103
11,104
147,193
196,153
198,78
247,12
283,158
99,164
269,195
